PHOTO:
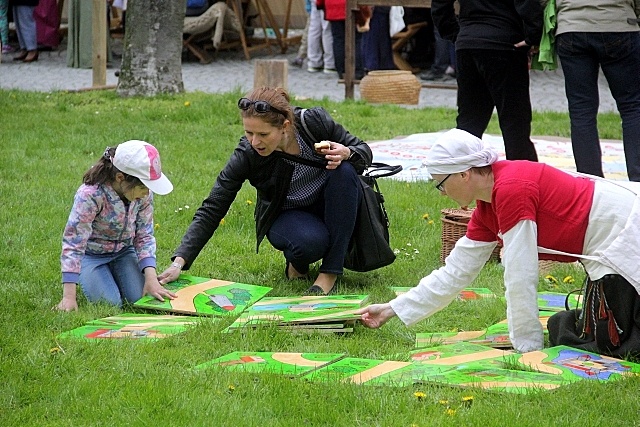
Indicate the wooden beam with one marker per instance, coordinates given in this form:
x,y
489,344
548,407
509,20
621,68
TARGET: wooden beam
x,y
99,42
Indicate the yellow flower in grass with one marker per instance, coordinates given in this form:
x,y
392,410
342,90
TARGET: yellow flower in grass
x,y
156,226
450,412
443,402
425,216
249,202
430,222
467,401
419,395
231,388
54,350
187,103
222,221
551,280
568,279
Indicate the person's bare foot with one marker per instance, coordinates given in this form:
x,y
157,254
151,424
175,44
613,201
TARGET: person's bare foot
x,y
291,273
326,282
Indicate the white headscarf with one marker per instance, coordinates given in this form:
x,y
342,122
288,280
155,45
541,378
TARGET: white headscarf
x,y
458,151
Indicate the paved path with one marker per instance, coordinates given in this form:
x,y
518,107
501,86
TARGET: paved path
x,y
230,70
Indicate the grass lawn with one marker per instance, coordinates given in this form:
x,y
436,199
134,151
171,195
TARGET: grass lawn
x,y
47,143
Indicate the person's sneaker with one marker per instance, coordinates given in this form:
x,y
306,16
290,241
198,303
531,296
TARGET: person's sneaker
x,y
450,71
314,69
7,49
297,62
329,71
431,75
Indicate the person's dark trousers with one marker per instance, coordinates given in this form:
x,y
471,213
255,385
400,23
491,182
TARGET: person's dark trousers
x,y
500,78
377,53
323,230
581,56
338,33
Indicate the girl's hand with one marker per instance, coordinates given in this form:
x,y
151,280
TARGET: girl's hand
x,y
153,287
376,315
336,154
67,304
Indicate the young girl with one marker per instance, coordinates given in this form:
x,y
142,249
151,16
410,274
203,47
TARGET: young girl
x,y
108,244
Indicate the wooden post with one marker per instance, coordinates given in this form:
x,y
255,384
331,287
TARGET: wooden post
x,y
99,42
270,73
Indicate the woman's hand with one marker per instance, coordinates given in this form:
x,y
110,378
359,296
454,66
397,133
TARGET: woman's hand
x,y
153,287
336,154
376,315
172,272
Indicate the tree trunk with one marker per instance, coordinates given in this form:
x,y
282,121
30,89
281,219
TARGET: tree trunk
x,y
152,56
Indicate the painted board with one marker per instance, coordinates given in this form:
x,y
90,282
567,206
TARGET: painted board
x,y
301,310
485,376
290,364
494,336
130,325
206,297
573,364
355,370
554,301
467,294
455,354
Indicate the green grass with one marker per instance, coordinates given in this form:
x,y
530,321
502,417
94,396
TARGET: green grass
x,y
47,143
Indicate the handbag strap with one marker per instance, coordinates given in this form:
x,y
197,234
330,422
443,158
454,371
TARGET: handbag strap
x,y
381,170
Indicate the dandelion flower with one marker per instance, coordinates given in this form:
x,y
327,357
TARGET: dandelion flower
x,y
444,402
419,395
450,412
425,216
430,222
231,388
54,350
467,401
222,221
187,103
156,226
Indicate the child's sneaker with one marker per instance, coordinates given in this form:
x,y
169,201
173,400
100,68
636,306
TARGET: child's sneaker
x,y
329,71
314,69
7,49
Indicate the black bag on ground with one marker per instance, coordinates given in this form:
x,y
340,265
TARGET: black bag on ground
x,y
608,323
369,245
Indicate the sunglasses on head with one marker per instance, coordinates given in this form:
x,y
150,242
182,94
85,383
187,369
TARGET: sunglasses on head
x,y
259,106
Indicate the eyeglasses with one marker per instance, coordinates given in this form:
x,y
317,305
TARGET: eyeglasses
x,y
441,183
260,106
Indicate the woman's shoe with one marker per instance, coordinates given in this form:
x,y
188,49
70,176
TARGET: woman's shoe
x,y
32,56
286,273
21,55
317,290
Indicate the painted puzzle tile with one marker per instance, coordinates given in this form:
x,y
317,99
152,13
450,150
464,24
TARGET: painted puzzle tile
x,y
455,354
573,364
355,370
467,294
487,377
299,310
129,325
554,301
203,296
291,364
494,336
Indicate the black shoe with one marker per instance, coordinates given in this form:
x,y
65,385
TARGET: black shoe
x,y
431,75
317,290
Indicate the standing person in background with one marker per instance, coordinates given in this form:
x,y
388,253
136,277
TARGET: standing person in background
x,y
589,36
108,244
302,50
335,11
377,53
319,43
25,29
4,26
443,66
492,40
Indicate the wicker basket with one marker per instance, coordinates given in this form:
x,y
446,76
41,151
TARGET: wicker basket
x,y
390,87
454,226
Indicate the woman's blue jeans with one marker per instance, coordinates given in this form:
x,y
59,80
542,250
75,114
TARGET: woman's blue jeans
x,y
581,56
113,278
323,230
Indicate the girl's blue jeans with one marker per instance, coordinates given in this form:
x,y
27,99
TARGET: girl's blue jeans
x,y
114,278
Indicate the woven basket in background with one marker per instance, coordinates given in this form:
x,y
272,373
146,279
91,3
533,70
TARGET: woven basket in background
x,y
390,87
454,226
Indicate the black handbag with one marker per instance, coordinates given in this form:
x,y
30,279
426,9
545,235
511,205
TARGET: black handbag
x,y
369,245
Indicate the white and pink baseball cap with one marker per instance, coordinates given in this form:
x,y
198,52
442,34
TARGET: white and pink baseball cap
x,y
142,160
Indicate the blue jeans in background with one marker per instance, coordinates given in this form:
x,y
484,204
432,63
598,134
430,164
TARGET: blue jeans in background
x,y
323,230
581,56
113,278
